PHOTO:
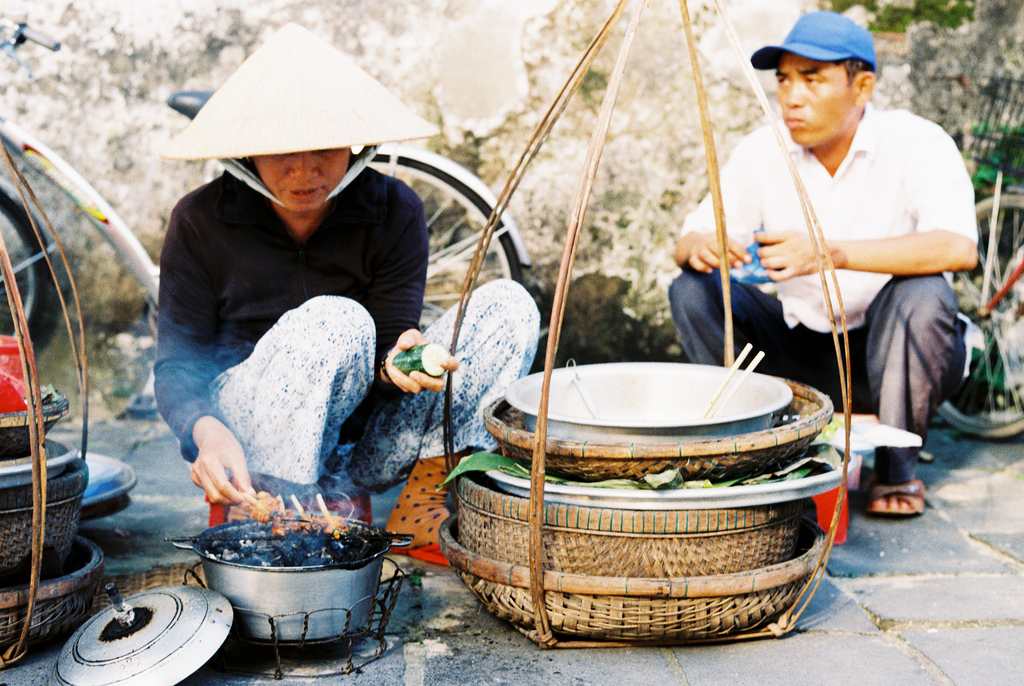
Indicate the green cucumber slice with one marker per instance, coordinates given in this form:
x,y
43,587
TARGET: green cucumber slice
x,y
422,358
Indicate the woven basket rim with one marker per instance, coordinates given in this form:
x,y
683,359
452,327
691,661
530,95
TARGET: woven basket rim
x,y
53,410
807,425
555,513
69,484
50,504
716,585
17,596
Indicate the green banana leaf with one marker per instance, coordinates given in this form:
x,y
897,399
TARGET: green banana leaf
x,y
818,454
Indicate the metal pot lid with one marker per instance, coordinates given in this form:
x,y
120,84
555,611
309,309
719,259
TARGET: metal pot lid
x,y
155,637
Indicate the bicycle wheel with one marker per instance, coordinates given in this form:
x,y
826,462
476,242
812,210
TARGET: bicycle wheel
x,y
456,216
990,403
38,295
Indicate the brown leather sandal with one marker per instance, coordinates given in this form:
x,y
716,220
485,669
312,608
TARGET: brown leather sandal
x,y
910,493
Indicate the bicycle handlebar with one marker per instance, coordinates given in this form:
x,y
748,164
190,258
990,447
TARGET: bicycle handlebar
x,y
39,38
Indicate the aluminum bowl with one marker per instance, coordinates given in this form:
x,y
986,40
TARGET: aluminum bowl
x,y
292,604
648,402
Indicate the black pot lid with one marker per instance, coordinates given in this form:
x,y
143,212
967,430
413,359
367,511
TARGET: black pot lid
x,y
156,637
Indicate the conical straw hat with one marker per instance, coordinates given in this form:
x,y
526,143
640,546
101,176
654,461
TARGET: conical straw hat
x,y
295,93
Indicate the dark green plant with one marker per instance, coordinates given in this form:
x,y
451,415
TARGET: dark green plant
x,y
1001,147
946,13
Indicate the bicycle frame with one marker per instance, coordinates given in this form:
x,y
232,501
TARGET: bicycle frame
x,y
109,224
992,246
119,235
117,232
388,155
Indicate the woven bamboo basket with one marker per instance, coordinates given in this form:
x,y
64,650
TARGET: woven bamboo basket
x,y
628,609
627,543
61,603
679,609
710,458
14,431
63,510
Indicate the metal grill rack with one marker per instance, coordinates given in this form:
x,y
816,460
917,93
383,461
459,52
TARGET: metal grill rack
x,y
320,656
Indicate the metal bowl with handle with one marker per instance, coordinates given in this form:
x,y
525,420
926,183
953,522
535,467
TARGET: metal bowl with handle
x,y
648,402
293,604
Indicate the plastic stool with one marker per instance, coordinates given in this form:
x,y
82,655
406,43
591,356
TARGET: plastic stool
x,y
825,504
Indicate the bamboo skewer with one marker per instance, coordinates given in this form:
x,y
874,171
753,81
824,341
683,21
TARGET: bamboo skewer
x,y
746,373
728,377
298,506
327,513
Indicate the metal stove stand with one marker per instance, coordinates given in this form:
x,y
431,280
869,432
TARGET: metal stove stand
x,y
320,656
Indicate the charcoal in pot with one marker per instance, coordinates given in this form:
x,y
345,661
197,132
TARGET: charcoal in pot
x,y
293,552
350,548
340,551
261,558
249,546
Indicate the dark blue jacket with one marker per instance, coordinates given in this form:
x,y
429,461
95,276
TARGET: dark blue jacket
x,y
229,270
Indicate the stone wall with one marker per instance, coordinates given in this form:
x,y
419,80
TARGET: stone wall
x,y
485,71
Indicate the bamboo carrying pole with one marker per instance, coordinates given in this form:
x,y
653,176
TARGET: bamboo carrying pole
x,y
542,633
13,653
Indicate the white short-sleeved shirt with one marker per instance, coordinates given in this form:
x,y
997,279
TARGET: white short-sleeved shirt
x,y
903,174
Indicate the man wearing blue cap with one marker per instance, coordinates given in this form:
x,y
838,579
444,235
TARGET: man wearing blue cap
x,y
896,206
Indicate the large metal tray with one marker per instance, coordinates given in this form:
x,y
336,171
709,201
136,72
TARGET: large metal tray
x,y
725,497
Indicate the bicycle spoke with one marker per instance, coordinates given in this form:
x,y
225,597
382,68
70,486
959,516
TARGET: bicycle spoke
x,y
990,403
28,262
434,221
457,252
456,214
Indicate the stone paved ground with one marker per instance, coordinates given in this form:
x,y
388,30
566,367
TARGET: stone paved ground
x,y
935,600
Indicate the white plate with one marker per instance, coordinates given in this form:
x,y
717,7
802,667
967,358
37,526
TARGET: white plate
x,y
681,499
18,472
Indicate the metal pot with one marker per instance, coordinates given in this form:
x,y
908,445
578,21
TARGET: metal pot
x,y
292,603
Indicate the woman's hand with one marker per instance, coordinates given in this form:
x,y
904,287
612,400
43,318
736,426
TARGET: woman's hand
x,y
416,381
220,468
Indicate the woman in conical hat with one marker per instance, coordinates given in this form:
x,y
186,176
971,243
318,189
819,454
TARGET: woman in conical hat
x,y
288,285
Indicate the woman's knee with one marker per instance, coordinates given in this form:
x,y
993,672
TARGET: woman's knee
x,y
508,306
332,313
512,296
332,329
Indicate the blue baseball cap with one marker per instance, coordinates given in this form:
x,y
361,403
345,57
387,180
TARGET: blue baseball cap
x,y
823,36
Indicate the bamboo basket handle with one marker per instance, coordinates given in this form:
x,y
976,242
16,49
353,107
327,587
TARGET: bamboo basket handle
x,y
714,182
583,192
824,263
30,372
533,147
542,631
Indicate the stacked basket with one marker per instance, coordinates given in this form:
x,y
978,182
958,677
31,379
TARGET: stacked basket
x,y
70,567
642,575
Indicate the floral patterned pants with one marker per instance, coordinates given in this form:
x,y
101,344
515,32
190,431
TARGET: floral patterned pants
x,y
287,401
